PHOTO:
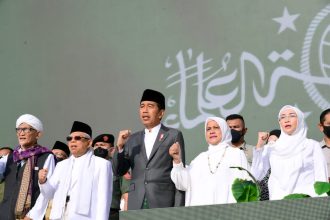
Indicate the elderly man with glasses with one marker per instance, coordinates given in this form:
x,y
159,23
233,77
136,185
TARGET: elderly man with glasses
x,y
81,186
21,197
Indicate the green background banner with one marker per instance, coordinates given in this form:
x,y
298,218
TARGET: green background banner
x,y
91,60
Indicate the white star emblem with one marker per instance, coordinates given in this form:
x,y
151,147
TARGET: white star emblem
x,y
286,21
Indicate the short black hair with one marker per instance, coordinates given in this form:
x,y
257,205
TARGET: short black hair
x,y
235,116
323,114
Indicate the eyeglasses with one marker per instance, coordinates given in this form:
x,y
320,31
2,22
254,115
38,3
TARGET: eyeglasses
x,y
76,138
25,130
289,116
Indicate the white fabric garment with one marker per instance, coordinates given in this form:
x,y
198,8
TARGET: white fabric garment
x,y
150,138
201,186
3,162
90,188
39,209
326,153
260,162
296,162
30,120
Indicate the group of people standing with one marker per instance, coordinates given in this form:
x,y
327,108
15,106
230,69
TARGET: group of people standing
x,y
86,184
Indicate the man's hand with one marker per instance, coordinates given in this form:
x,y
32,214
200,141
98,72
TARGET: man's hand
x,y
42,176
174,152
122,138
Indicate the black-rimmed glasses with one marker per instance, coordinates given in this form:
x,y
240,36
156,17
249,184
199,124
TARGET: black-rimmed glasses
x,y
24,130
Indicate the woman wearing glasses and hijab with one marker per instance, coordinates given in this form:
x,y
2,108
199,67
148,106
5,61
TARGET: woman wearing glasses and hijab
x,y
296,162
208,178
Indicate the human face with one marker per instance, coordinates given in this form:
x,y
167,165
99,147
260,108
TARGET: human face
x,y
27,136
213,133
106,146
272,139
4,152
326,122
288,121
59,154
236,124
79,147
150,114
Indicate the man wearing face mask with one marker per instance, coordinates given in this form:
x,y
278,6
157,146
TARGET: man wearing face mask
x,y
238,130
103,146
324,127
61,151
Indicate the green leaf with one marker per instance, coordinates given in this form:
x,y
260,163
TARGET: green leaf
x,y
296,196
322,187
245,190
250,174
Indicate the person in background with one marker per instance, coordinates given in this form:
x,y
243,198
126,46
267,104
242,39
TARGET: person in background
x,y
4,152
124,187
61,151
146,154
21,196
265,141
324,127
81,186
296,162
208,178
103,146
238,130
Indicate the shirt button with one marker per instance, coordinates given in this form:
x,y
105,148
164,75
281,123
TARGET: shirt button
x,y
145,182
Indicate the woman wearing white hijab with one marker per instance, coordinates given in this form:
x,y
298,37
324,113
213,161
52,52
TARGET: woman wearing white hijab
x,y
296,162
208,179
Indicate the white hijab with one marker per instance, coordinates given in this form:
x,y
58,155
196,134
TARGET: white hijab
x,y
226,135
287,154
290,145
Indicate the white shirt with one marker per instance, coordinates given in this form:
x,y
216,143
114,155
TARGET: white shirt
x,y
326,153
150,138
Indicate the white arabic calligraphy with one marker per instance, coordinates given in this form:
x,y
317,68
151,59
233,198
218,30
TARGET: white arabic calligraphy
x,y
218,89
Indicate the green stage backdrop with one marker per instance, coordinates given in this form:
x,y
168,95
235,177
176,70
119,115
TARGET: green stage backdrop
x,y
65,60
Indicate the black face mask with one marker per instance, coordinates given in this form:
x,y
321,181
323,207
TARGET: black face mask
x,y
326,131
101,152
236,135
58,159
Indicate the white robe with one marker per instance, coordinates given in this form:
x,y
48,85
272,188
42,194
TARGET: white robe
x,y
38,211
296,174
91,188
296,162
204,188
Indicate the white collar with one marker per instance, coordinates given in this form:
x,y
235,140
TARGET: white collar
x,y
153,130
